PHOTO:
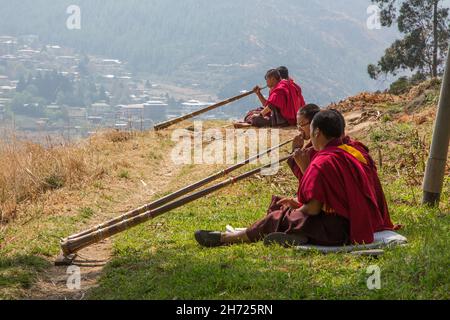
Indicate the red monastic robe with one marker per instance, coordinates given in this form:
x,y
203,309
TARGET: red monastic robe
x,y
299,94
287,97
342,179
373,174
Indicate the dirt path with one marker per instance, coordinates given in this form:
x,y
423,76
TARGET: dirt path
x,y
53,283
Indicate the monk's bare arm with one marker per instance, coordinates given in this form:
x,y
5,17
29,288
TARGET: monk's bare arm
x,y
261,98
267,110
312,208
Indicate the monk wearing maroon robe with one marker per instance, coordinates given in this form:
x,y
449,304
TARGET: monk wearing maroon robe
x,y
284,73
304,119
337,199
280,109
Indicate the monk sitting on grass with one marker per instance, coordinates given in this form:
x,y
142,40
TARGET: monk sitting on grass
x,y
280,109
338,200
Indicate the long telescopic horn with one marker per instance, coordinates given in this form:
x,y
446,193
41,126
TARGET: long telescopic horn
x,y
70,246
177,194
168,123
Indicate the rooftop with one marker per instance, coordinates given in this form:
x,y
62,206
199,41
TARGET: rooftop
x,y
133,106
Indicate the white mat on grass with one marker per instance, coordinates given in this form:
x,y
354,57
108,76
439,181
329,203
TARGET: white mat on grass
x,y
383,239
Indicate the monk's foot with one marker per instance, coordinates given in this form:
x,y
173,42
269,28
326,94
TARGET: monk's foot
x,y
285,240
209,239
241,125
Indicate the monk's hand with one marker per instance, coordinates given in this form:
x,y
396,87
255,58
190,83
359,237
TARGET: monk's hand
x,y
255,115
302,158
257,90
288,203
298,142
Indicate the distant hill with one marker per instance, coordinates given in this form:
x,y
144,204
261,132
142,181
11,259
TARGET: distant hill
x,y
224,46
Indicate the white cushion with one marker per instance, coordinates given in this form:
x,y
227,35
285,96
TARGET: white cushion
x,y
382,239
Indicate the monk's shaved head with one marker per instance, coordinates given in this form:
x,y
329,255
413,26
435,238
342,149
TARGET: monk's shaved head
x,y
329,123
273,73
344,124
284,72
309,111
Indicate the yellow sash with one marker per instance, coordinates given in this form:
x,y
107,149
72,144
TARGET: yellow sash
x,y
354,152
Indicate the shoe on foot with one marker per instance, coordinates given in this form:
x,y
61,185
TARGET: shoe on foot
x,y
208,238
285,240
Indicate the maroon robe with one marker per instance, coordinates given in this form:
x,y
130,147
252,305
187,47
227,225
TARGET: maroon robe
x,y
299,94
331,227
375,180
372,172
341,178
323,229
287,99
296,169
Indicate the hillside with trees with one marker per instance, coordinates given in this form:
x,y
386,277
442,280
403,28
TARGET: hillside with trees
x,y
222,46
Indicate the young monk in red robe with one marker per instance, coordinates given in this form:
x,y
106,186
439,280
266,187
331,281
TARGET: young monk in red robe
x,y
284,73
304,156
304,119
372,171
306,153
281,108
337,202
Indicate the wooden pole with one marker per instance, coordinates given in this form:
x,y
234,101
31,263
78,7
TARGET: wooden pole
x,y
71,246
168,123
435,171
177,194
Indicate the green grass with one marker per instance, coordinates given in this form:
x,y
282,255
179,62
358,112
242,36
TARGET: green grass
x,y
28,246
124,174
161,260
86,213
19,273
34,245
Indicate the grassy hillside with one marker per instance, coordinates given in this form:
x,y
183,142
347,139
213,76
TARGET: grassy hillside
x,y
161,260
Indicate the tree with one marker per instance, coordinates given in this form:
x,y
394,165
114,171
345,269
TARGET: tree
x,y
21,85
25,104
83,66
425,26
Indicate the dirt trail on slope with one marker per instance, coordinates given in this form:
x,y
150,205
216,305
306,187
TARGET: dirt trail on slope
x,y
149,177
53,283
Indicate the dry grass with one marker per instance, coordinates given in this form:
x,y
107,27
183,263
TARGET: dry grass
x,y
28,170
